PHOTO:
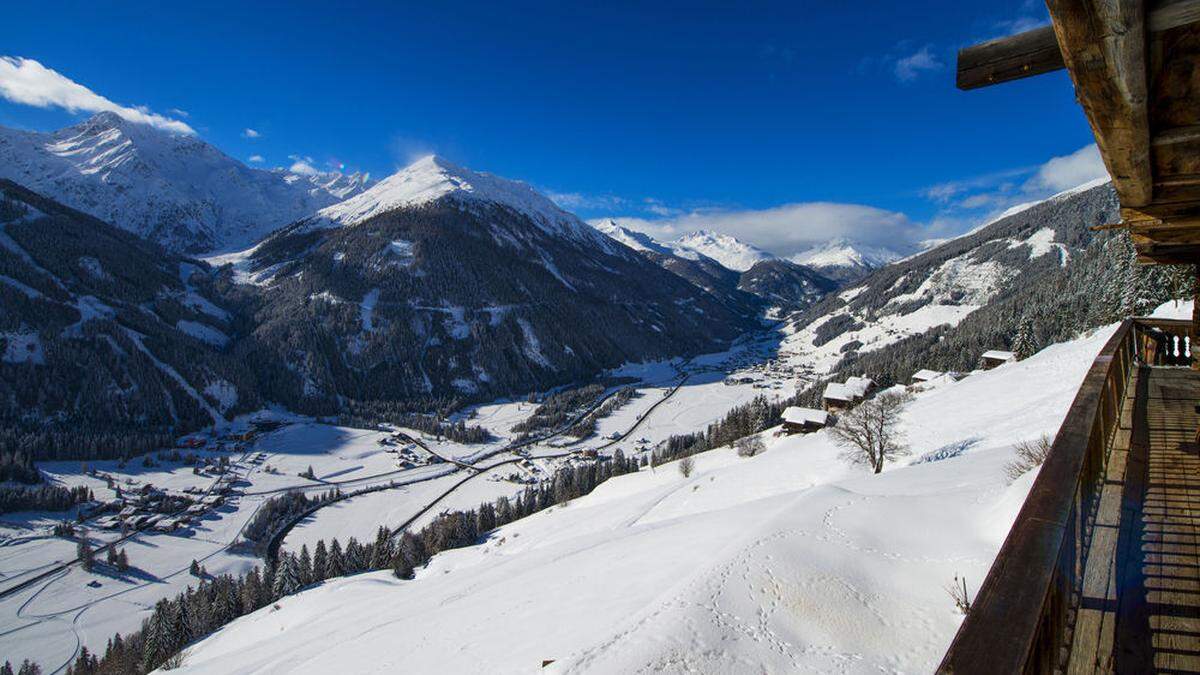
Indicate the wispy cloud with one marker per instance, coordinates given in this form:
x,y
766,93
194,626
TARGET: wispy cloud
x,y
575,201
909,68
250,133
257,159
28,82
982,197
791,228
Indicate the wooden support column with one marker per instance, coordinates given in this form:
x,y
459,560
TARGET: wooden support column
x,y
1193,332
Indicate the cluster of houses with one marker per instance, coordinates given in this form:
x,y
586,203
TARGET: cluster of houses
x,y
842,396
407,453
150,508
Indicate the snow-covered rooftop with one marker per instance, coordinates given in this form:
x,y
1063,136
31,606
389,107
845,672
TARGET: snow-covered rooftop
x,y
797,415
999,355
853,389
924,375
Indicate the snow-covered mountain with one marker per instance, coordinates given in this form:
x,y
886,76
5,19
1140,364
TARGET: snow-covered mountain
x,y
440,280
771,282
174,189
845,260
101,332
731,252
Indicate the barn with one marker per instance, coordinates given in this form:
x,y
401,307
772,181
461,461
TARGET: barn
x,y
797,420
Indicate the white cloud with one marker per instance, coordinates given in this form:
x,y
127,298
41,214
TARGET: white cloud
x,y
791,228
179,112
1068,171
302,165
257,159
28,82
910,67
250,133
982,198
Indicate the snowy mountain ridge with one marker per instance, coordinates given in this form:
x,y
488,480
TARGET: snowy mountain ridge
x,y
842,252
726,249
174,189
434,178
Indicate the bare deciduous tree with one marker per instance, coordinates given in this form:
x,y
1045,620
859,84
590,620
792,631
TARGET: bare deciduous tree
x,y
869,431
749,446
1029,455
686,465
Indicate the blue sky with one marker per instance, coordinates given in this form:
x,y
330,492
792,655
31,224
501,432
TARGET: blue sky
x,y
673,115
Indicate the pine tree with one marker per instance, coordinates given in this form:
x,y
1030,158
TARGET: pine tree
x,y
287,576
1023,345
336,565
84,552
320,562
156,640
305,568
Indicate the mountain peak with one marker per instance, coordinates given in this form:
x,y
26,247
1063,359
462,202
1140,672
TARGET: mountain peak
x,y
432,178
726,249
842,252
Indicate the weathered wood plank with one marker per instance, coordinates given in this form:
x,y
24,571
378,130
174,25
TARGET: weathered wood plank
x,y
1010,58
1104,46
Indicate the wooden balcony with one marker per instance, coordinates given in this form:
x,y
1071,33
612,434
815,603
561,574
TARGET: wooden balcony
x,y
1101,570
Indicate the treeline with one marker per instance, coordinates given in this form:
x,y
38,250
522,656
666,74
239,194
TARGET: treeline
x,y
196,613
42,498
458,431
587,426
17,467
79,444
278,511
558,408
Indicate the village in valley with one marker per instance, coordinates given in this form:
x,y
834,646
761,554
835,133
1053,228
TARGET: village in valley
x,y
162,521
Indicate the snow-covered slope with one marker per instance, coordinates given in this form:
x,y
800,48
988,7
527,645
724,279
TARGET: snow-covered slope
x,y
731,252
172,188
638,241
1010,267
790,561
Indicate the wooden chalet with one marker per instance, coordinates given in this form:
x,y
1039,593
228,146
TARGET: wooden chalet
x,y
797,420
1101,570
845,395
924,375
995,357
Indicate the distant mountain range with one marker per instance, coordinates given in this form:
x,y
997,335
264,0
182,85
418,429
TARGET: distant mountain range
x,y
173,189
435,285
844,260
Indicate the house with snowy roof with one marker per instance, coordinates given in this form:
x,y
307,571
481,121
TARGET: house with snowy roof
x,y
924,375
797,420
844,395
995,357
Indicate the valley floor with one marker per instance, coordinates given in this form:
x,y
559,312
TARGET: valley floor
x,y
790,561
50,619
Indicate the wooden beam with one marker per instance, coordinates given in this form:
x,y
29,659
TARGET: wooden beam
x,y
1036,51
1104,46
1010,58
1168,14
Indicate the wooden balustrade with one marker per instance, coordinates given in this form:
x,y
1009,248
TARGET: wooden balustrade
x,y
1023,616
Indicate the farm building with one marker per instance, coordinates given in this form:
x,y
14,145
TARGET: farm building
x,y
995,357
797,420
842,396
922,376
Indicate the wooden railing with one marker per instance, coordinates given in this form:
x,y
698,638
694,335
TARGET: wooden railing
x,y
1023,615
